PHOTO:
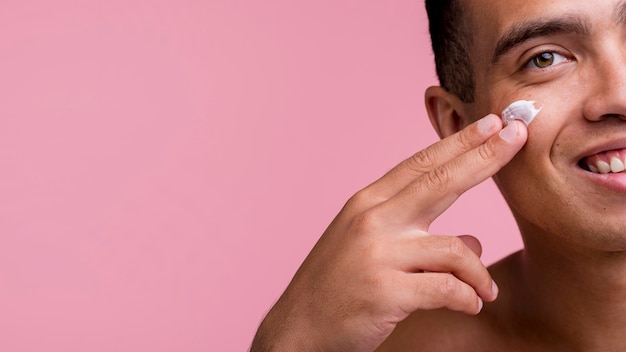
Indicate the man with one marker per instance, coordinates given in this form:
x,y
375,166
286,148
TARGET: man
x,y
377,280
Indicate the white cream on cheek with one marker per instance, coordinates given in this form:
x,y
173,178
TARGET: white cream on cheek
x,y
523,110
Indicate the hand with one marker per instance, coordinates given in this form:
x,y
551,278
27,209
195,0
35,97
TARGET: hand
x,y
376,263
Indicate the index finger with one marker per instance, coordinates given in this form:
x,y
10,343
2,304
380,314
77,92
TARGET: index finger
x,y
435,155
424,199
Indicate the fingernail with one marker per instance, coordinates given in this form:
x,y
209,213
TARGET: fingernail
x,y
494,288
485,124
509,132
480,304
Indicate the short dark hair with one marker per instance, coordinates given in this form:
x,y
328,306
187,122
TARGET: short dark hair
x,y
450,35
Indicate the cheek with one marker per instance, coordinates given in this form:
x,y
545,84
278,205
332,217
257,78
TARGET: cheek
x,y
544,130
534,182
533,171
528,191
542,155
552,129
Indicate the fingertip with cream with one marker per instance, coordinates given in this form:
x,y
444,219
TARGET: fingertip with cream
x,y
522,110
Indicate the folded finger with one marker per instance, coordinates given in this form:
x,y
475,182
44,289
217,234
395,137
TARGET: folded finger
x,y
444,254
427,291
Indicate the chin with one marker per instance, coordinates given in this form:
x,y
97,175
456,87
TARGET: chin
x,y
590,236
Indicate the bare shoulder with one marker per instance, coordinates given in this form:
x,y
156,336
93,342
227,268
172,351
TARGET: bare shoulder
x,y
446,330
441,330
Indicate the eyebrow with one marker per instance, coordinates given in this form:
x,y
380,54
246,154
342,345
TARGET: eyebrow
x,y
522,32
620,13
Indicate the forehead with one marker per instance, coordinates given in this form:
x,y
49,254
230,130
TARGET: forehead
x,y
490,19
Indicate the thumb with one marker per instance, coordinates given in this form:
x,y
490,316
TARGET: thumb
x,y
473,243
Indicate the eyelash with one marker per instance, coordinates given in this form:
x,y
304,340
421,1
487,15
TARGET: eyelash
x,y
529,65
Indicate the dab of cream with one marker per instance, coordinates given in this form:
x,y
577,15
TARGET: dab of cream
x,y
522,110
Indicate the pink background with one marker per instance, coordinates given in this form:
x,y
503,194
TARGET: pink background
x,y
167,165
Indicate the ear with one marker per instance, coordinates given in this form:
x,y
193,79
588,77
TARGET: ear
x,y
445,111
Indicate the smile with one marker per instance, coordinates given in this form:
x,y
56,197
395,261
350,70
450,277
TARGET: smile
x,y
613,161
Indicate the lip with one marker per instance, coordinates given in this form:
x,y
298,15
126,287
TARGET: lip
x,y
613,182
604,146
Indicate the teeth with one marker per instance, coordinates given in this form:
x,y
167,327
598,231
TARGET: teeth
x,y
612,161
617,165
604,167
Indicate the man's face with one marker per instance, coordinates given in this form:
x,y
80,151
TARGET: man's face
x,y
570,57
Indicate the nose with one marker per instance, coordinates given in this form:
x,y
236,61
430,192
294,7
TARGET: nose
x,y
608,89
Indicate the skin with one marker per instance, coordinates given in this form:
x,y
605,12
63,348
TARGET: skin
x,y
565,291
377,280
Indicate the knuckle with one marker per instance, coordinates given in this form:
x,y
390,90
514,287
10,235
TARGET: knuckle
x,y
438,178
449,286
464,140
363,200
456,247
487,151
422,161
357,199
366,222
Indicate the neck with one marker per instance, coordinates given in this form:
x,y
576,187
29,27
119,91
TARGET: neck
x,y
573,293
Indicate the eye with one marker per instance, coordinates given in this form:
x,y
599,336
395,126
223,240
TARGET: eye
x,y
546,59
